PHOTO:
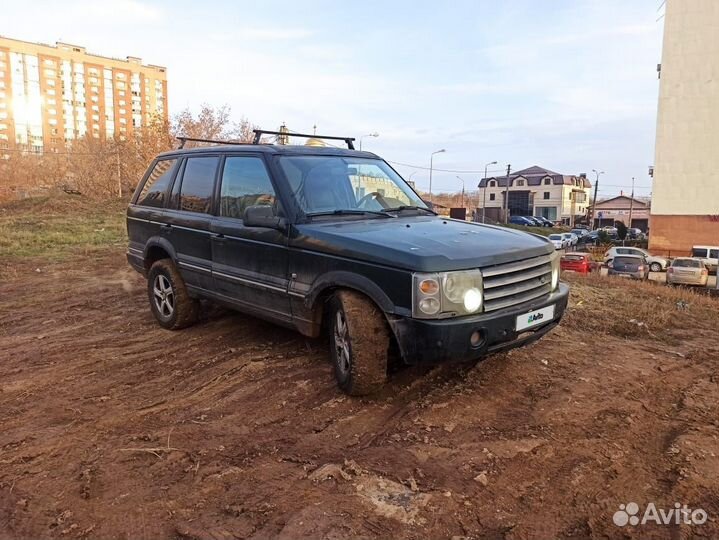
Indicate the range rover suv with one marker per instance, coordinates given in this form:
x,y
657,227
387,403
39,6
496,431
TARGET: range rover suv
x,y
323,239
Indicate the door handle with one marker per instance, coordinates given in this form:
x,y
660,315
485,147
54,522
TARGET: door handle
x,y
219,237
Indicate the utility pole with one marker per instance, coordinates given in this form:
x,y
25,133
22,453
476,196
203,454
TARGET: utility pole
x,y
484,193
594,202
462,180
506,197
631,204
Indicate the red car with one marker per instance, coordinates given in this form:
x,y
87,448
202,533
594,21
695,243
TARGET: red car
x,y
576,262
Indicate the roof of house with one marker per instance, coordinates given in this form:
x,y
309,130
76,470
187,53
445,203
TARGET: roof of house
x,y
609,203
535,176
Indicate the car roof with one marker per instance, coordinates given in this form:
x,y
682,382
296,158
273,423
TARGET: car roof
x,y
687,259
273,149
622,255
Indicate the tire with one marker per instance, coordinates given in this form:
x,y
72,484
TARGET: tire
x,y
655,267
170,302
359,343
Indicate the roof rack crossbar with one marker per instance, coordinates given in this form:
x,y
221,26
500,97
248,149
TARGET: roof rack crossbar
x,y
260,132
183,140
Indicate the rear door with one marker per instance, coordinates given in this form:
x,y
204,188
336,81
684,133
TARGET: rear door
x,y
249,264
188,218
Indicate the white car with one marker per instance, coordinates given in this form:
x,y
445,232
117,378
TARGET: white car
x,y
570,239
708,254
656,264
557,240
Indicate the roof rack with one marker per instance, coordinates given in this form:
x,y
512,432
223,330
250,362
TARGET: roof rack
x,y
183,140
260,132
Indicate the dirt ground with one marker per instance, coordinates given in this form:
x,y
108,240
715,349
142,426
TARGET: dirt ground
x,y
111,427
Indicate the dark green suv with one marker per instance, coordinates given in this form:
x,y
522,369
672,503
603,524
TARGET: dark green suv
x,y
320,238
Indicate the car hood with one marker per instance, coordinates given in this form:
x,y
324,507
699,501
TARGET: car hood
x,y
421,243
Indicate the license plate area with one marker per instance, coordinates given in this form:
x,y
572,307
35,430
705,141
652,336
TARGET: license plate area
x,y
534,318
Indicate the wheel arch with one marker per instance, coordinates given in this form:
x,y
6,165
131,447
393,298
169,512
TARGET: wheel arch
x,y
324,287
156,249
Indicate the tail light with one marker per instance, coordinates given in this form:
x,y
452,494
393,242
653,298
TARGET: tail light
x,y
640,268
670,270
610,265
705,272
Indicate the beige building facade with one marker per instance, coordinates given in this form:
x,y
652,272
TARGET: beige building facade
x,y
50,95
685,195
536,191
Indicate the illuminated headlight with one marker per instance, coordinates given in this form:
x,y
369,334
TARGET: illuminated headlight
x,y
555,271
447,294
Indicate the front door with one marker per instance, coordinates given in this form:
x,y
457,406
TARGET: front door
x,y
249,264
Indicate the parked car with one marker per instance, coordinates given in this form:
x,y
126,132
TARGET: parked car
x,y
284,233
545,222
635,234
534,221
579,233
708,254
634,266
609,230
576,262
570,239
591,237
558,241
656,264
521,220
687,271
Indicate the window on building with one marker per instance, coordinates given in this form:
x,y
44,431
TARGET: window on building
x,y
520,182
245,182
546,195
547,181
491,196
154,191
198,183
492,183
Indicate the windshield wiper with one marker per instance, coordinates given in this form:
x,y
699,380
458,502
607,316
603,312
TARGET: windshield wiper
x,y
408,207
350,212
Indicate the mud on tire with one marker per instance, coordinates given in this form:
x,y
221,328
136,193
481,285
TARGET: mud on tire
x,y
170,302
359,343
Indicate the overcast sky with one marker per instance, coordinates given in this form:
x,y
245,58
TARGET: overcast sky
x,y
567,85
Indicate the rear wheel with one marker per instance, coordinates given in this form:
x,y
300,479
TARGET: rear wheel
x,y
359,343
170,302
655,267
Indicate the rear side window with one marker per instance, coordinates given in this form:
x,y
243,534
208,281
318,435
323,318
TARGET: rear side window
x,y
245,182
198,182
697,252
714,253
154,192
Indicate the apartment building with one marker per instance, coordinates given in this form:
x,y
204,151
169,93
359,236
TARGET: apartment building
x,y
50,95
685,194
536,191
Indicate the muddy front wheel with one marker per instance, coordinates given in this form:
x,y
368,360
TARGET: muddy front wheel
x,y
359,343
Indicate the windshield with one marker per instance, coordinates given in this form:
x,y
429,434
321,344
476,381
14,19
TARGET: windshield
x,y
327,184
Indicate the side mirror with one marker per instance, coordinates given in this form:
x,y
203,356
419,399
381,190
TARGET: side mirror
x,y
262,216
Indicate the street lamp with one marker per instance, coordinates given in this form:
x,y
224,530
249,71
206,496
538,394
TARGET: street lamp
x,y
594,202
484,193
373,134
431,157
462,180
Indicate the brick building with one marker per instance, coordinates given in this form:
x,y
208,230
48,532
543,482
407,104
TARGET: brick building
x,y
50,95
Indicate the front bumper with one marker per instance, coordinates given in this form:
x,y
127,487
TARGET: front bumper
x,y
441,340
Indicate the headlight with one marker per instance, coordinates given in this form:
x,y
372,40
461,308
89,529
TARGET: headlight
x,y
446,294
555,270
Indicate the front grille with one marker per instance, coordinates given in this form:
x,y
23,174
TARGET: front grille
x,y
509,284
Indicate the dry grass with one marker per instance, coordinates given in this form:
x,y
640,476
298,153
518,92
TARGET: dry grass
x,y
51,227
627,308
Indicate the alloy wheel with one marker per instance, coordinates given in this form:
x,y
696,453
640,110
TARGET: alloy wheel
x,y
342,347
164,296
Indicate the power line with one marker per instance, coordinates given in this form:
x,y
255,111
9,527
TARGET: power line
x,y
442,170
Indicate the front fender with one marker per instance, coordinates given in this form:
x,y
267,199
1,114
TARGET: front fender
x,y
349,280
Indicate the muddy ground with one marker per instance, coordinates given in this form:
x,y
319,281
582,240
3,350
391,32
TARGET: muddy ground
x,y
111,427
